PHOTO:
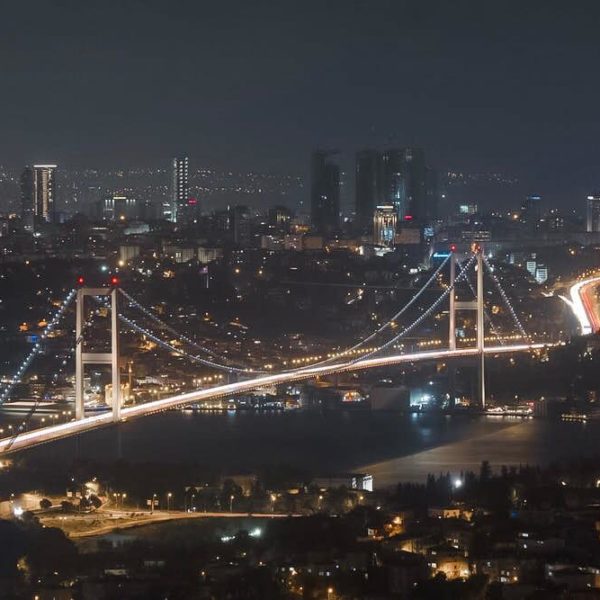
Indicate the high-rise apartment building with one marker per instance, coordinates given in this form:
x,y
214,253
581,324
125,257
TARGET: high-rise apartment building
x,y
179,188
38,195
324,192
593,213
369,186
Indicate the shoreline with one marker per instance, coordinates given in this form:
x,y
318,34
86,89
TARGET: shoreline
x,y
526,442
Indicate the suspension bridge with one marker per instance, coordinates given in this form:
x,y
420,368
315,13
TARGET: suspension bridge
x,y
370,352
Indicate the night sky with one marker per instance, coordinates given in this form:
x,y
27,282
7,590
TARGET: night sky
x,y
248,84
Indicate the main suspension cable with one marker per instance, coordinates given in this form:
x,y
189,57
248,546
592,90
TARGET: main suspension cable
x,y
506,300
382,327
421,318
37,348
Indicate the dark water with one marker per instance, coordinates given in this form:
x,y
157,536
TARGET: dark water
x,y
391,446
177,533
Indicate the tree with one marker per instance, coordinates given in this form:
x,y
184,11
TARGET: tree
x,y
485,471
45,504
95,501
49,550
12,548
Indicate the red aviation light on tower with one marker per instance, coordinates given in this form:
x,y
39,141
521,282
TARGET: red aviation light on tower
x,y
114,281
80,280
452,247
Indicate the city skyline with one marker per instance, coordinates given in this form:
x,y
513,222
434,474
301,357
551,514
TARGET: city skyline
x,y
268,268
474,85
452,187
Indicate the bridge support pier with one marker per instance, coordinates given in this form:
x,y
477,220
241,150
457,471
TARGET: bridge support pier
x,y
452,332
478,307
452,312
83,358
480,328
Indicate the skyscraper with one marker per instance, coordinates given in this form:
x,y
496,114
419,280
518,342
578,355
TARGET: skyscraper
x,y
38,195
410,185
324,192
593,213
394,181
179,188
369,186
415,173
531,210
432,196
240,225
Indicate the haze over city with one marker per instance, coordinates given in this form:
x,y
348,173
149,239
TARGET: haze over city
x,y
299,300
484,87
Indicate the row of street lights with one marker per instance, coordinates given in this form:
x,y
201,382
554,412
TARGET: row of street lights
x,y
154,501
118,495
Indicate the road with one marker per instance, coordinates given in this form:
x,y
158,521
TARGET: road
x,y
55,432
584,306
103,522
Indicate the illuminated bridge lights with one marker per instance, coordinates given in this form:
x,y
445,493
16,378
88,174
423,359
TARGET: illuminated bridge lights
x,y
37,347
54,432
359,356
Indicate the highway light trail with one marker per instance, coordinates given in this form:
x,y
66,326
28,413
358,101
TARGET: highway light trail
x,y
582,307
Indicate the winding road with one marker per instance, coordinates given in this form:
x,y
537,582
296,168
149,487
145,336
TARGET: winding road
x,y
584,305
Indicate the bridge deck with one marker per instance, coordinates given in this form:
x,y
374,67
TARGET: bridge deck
x,y
55,432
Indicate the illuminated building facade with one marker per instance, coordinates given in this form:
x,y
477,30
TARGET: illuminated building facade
x,y
593,213
38,195
179,188
385,220
117,207
398,177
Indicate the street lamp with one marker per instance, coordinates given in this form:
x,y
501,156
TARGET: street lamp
x,y
152,504
169,496
231,503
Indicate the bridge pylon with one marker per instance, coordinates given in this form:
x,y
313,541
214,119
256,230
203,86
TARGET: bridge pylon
x,y
83,358
476,305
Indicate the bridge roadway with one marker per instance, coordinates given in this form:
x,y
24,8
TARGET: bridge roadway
x,y
51,433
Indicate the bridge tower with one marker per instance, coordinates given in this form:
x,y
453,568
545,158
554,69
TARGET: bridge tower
x,y
83,358
476,305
